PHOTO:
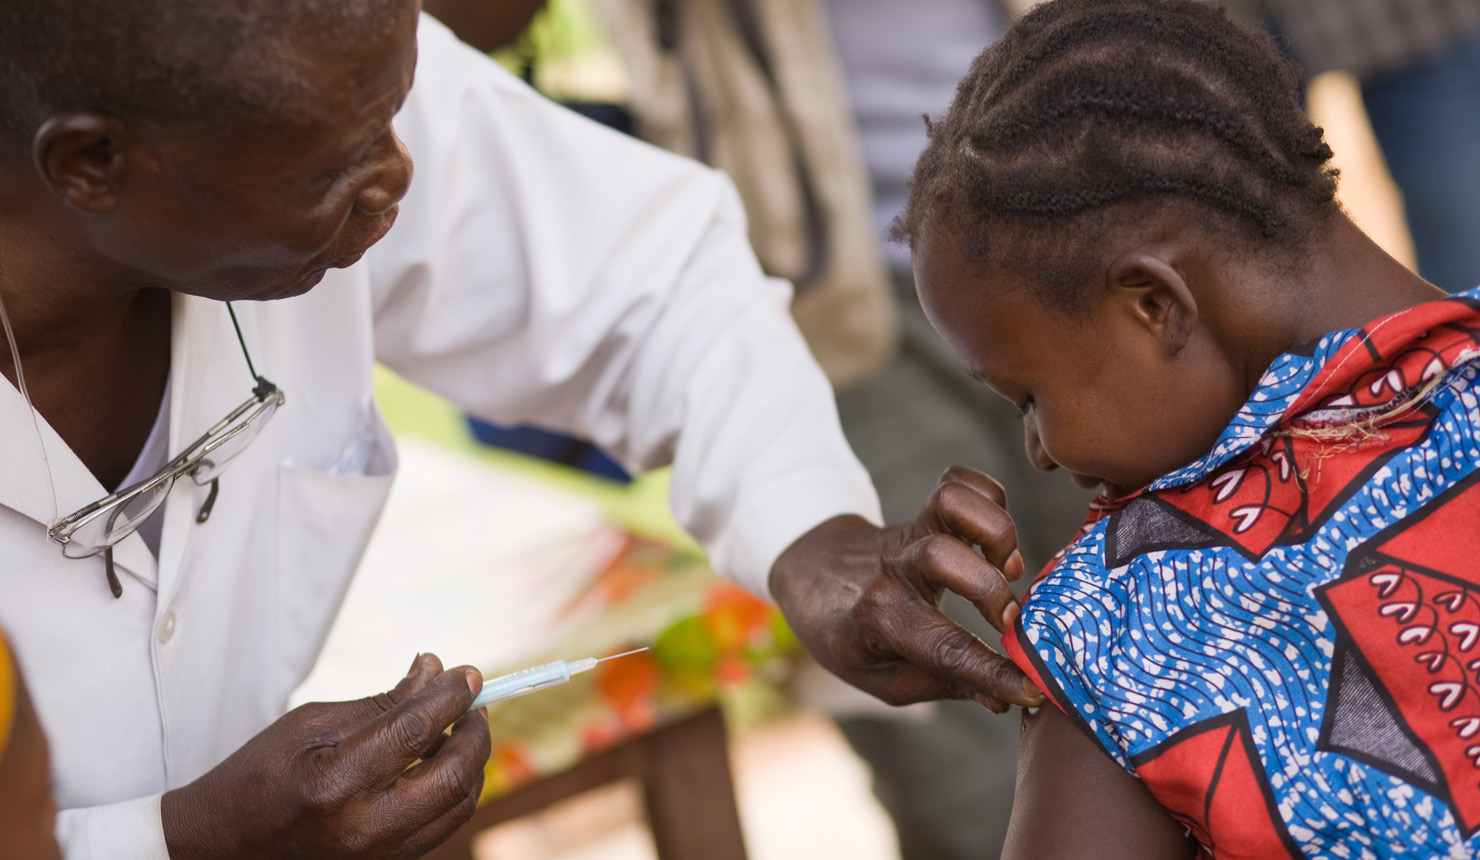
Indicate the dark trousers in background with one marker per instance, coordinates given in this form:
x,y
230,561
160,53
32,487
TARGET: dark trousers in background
x,y
948,781
1427,120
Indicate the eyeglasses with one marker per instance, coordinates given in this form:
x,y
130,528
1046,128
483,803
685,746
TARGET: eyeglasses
x,y
100,526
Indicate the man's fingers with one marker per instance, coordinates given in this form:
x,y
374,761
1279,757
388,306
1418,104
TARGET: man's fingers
x,y
444,779
980,481
438,829
947,563
355,714
435,745
996,706
382,748
446,787
943,648
901,683
436,832
966,509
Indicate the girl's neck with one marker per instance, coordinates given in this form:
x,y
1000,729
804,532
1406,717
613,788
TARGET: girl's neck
x,y
1350,282
1345,281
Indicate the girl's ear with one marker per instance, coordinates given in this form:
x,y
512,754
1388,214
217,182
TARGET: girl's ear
x,y
1155,297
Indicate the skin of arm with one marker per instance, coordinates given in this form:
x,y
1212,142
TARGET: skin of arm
x,y
1074,801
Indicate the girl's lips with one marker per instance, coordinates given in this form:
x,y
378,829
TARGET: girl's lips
x,y
1107,489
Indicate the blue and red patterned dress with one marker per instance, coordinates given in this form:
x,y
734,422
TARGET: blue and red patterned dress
x,y
1282,639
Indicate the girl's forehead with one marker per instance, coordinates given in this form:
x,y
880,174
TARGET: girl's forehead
x,y
953,286
989,317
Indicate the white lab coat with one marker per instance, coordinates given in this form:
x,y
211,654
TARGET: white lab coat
x,y
542,268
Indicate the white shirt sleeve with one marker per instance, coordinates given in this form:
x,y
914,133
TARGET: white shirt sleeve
x,y
546,269
131,830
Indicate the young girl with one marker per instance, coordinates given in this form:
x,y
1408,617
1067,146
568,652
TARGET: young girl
x,y
1265,641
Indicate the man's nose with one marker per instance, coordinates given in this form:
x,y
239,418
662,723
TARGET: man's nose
x,y
391,179
1034,445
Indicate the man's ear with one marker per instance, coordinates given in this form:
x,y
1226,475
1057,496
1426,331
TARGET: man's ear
x,y
1155,296
81,157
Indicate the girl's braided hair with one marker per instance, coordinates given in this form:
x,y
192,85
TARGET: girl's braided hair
x,y
1088,113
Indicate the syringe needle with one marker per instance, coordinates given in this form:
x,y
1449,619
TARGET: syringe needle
x,y
537,678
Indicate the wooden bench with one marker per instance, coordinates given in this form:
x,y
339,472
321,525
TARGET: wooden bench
x,y
684,769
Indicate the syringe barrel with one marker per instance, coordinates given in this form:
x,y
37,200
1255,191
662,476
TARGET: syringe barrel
x,y
523,681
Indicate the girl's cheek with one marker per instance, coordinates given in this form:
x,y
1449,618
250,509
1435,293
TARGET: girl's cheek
x,y
1033,443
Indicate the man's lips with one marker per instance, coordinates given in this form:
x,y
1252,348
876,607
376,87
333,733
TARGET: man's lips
x,y
348,260
382,227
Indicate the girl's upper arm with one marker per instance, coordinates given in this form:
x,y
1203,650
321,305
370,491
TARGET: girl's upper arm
x,y
1073,801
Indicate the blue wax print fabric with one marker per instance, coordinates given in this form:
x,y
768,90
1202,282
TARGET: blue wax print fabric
x,y
1282,639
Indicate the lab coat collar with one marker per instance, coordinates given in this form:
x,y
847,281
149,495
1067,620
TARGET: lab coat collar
x,y
36,460
27,479
26,482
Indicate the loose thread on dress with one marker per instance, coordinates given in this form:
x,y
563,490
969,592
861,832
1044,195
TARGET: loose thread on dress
x,y
1364,426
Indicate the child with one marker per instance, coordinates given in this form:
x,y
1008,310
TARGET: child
x,y
1265,641
27,813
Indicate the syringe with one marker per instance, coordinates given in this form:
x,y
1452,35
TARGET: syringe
x,y
537,678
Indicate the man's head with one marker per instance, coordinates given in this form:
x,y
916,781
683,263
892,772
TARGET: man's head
x,y
1098,218
230,148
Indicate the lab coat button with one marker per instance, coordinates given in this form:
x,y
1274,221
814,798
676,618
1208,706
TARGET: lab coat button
x,y
167,626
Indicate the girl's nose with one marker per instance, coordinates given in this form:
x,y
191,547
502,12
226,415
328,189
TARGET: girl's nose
x,y
391,180
1034,445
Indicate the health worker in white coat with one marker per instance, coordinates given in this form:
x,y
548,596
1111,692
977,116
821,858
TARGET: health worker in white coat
x,y
188,485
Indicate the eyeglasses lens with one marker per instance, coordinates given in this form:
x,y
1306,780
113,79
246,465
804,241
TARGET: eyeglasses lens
x,y
234,440
114,524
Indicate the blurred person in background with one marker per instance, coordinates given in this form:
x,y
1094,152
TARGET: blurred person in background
x,y
1418,63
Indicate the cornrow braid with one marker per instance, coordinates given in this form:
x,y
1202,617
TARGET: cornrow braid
x,y
1088,106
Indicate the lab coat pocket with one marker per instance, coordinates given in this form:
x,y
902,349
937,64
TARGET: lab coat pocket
x,y
325,521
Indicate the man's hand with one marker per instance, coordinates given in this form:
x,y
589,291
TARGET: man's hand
x,y
334,780
865,601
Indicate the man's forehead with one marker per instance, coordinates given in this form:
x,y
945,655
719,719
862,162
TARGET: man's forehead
x,y
332,89
326,65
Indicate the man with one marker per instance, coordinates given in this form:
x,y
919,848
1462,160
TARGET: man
x,y
162,156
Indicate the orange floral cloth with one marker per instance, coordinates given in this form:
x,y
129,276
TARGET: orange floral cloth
x,y
708,639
